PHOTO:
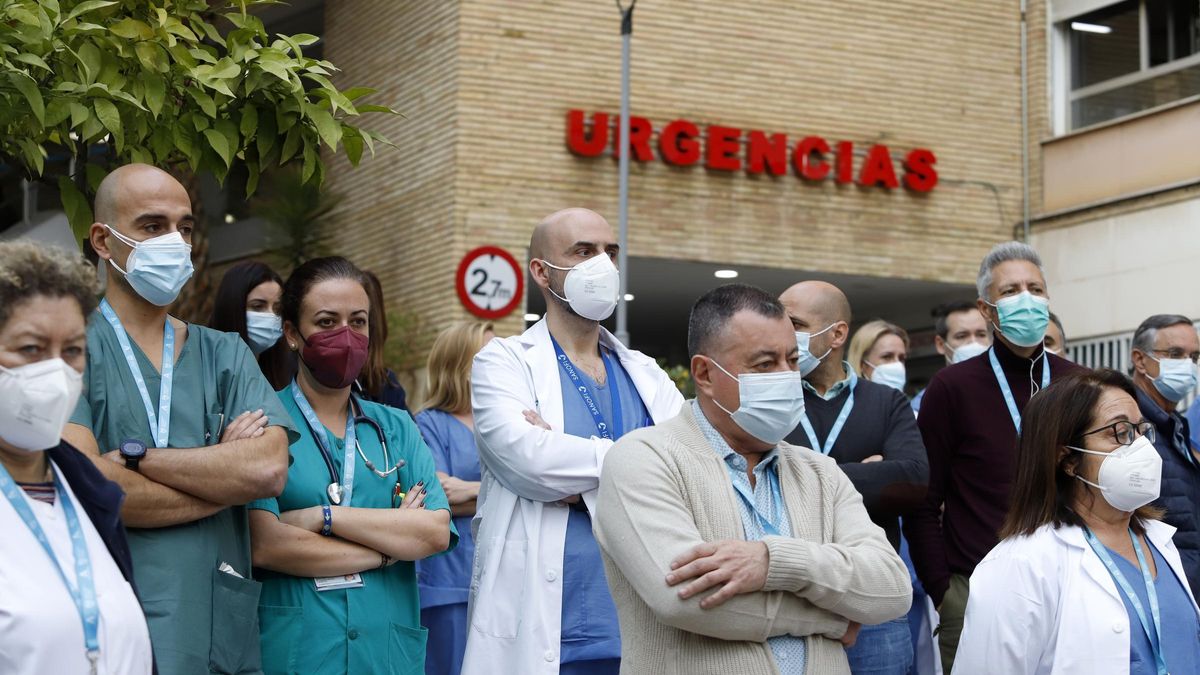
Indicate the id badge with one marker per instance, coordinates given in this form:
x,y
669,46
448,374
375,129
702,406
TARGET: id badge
x,y
335,583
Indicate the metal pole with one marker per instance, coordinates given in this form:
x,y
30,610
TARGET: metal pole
x,y
623,173
1024,122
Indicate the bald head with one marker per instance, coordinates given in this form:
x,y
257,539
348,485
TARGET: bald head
x,y
817,302
557,232
129,186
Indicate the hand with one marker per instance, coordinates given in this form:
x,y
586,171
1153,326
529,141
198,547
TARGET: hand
x,y
573,499
311,519
873,458
247,425
115,456
736,566
851,635
536,420
415,497
458,491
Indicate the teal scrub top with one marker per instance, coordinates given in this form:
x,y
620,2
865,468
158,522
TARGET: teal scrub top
x,y
201,619
372,629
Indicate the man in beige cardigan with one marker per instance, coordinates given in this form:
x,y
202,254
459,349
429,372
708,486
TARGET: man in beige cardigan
x,y
727,550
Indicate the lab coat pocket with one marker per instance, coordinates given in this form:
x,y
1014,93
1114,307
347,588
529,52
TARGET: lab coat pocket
x,y
235,643
281,634
501,565
406,650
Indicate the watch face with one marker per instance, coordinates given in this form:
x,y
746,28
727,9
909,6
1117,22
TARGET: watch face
x,y
133,448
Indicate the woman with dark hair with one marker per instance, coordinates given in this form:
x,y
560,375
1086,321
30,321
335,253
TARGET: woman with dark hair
x,y
377,382
248,303
362,501
1086,578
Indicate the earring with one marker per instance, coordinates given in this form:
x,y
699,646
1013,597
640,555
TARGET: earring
x,y
291,346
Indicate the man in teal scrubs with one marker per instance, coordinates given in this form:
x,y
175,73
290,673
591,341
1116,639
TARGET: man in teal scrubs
x,y
182,417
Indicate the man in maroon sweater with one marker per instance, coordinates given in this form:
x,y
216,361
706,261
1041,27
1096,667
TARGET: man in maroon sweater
x,y
969,420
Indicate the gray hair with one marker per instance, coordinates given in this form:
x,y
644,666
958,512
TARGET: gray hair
x,y
29,270
1144,336
1002,253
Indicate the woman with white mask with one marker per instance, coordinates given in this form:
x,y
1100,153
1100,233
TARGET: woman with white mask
x,y
248,303
878,351
1086,579
66,600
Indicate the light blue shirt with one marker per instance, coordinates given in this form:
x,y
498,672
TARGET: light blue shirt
x,y
1180,625
837,388
789,651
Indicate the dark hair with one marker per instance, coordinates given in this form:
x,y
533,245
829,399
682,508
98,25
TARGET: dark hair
x,y
375,372
714,309
1143,337
941,315
229,315
310,274
1058,322
1042,489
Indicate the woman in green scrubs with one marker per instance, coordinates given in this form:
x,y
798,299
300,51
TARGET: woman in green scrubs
x,y
335,551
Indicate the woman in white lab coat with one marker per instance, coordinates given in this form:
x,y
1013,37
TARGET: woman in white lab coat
x,y
1085,579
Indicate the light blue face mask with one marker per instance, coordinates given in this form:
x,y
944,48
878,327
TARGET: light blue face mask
x,y
156,268
1023,318
809,361
1176,378
770,405
263,330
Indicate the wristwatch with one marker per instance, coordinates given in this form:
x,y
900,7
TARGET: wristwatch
x,y
133,451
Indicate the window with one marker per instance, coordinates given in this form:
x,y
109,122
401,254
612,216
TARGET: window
x,y
1131,56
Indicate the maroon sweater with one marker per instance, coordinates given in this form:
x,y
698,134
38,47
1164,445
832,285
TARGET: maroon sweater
x,y
972,444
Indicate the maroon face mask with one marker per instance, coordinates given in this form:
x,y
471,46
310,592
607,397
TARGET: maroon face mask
x,y
335,357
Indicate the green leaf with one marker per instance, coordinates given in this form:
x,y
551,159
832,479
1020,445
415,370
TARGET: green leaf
x,y
249,121
89,55
95,174
131,29
352,141
34,154
355,93
89,6
204,101
57,111
29,88
290,145
310,163
329,130
79,114
79,213
225,69
369,108
252,174
106,110
32,60
219,144
151,56
266,136
156,92
230,131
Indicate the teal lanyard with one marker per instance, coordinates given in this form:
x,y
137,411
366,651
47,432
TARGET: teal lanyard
x,y
840,422
160,422
325,446
1153,632
83,593
772,477
1007,391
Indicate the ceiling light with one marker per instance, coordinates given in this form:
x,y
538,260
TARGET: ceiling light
x,y
1091,28
533,317
229,218
629,297
725,274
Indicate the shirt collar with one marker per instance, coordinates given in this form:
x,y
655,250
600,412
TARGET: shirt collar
x,y
1153,412
717,442
837,388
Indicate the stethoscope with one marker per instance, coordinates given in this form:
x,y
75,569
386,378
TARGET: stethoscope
x,y
335,489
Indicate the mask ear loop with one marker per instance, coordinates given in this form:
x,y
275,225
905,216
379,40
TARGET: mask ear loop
x,y
550,288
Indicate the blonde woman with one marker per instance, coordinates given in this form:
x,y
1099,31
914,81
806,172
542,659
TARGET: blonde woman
x,y
448,426
878,352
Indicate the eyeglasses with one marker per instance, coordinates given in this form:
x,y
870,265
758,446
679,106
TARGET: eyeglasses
x,y
1125,433
1177,353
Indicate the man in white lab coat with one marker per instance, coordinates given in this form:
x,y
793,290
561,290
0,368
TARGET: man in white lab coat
x,y
548,405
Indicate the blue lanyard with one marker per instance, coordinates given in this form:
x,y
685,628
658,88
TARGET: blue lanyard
x,y
1007,391
323,443
1155,636
83,593
772,479
606,432
840,422
160,423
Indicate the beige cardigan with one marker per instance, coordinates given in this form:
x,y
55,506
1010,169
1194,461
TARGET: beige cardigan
x,y
664,489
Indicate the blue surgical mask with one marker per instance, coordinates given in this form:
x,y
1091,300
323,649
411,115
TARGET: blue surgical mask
x,y
156,268
809,362
891,374
1023,318
1176,378
770,405
263,330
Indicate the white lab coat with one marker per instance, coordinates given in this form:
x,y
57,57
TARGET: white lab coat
x,y
515,604
1046,604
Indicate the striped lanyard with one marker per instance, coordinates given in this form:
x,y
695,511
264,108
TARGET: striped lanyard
x,y
160,422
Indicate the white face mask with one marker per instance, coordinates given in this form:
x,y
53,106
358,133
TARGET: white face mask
x,y
889,374
809,361
156,268
591,287
966,351
1129,476
36,400
770,405
263,330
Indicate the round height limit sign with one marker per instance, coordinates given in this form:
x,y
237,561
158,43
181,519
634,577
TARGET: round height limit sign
x,y
490,283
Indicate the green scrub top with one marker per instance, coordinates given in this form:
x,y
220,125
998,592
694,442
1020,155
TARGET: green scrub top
x,y
372,629
201,619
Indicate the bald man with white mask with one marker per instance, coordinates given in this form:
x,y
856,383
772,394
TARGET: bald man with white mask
x,y
548,405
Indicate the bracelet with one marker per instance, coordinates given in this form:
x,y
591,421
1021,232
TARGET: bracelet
x,y
327,513
384,560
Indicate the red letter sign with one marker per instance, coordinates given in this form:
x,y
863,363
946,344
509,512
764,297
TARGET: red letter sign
x,y
678,143
845,162
639,138
577,139
770,154
722,148
877,168
920,176
809,158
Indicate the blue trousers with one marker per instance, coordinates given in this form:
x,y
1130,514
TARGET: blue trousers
x,y
596,667
884,649
447,626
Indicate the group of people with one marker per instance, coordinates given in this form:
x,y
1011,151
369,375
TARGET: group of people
x,y
253,496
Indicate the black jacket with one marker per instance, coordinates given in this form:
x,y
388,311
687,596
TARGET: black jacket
x,y
1180,493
